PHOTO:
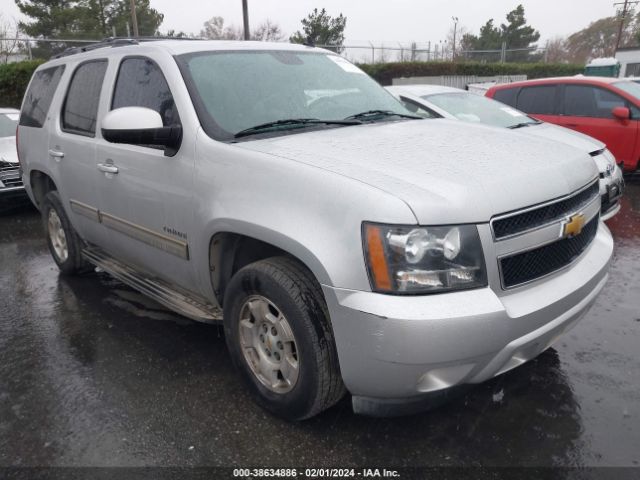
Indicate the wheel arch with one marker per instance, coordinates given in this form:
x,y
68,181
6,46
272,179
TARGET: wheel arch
x,y
231,249
41,183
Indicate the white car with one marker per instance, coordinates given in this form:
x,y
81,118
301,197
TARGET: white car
x,y
10,182
436,101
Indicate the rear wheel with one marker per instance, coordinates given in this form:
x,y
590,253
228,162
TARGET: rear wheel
x,y
64,243
279,335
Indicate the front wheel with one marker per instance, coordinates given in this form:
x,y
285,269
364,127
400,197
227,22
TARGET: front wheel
x,y
278,332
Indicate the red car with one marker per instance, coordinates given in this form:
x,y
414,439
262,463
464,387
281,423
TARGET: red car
x,y
604,108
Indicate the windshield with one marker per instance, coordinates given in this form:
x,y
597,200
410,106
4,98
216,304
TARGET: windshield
x,y
8,124
234,91
474,108
631,88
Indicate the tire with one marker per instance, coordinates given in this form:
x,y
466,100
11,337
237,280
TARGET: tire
x,y
62,238
291,292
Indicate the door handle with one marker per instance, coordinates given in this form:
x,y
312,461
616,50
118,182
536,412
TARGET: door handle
x,y
56,153
571,125
107,168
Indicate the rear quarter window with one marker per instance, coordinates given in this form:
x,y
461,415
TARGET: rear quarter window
x,y
38,98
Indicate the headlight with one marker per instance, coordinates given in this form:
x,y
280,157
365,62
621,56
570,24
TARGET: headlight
x,y
415,260
609,156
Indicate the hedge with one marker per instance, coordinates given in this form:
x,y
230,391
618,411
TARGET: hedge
x,y
385,72
14,78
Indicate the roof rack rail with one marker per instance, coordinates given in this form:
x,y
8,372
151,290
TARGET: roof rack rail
x,y
107,42
115,42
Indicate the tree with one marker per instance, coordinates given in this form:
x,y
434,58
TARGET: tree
x,y
319,28
50,19
9,39
215,29
172,33
459,32
119,16
516,34
599,38
268,31
557,50
83,19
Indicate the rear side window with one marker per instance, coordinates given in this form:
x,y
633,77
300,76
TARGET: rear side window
x,y
38,98
588,101
141,83
506,95
80,109
541,100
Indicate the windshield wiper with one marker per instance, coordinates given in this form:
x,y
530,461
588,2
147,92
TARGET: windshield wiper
x,y
524,124
380,113
293,123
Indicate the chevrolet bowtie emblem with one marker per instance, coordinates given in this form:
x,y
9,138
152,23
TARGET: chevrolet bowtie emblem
x,y
573,226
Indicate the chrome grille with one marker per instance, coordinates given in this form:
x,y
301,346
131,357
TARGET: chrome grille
x,y
10,175
533,264
519,222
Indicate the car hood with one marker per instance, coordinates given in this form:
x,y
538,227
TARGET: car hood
x,y
446,171
565,135
8,151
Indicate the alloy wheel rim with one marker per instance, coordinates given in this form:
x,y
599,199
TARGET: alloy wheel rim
x,y
57,236
268,344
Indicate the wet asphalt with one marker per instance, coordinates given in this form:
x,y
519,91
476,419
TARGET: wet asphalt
x,y
94,374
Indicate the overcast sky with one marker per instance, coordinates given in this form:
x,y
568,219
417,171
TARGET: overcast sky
x,y
388,21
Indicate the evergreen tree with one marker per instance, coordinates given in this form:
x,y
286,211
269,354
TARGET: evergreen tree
x,y
319,28
515,33
83,19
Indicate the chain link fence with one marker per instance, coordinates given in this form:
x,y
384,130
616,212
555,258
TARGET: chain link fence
x,y
16,48
424,52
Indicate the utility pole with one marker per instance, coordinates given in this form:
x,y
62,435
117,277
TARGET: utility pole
x,y
134,19
455,30
625,10
245,19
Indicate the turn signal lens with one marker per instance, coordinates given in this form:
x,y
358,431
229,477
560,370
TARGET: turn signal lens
x,y
377,260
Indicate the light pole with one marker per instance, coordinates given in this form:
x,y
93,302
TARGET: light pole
x,y
245,19
623,15
455,30
134,19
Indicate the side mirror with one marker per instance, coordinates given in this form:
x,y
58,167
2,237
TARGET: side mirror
x,y
621,113
140,126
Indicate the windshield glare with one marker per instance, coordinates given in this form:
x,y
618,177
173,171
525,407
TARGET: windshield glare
x,y
474,108
233,91
631,88
8,123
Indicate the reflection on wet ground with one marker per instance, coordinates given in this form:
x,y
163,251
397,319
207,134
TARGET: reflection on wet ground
x,y
93,373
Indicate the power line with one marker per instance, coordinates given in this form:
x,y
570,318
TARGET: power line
x,y
625,10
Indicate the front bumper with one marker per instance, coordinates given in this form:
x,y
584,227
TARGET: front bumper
x,y
396,351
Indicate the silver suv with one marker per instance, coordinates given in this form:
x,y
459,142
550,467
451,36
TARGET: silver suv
x,y
345,244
